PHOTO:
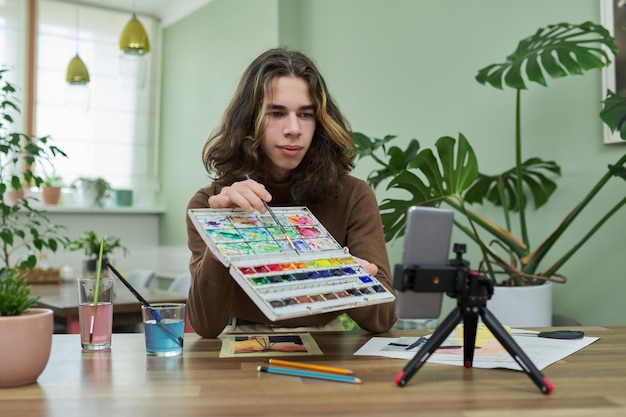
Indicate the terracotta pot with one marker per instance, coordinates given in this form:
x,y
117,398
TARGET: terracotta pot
x,y
51,195
13,196
25,346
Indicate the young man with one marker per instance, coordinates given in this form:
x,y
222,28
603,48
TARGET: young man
x,y
283,141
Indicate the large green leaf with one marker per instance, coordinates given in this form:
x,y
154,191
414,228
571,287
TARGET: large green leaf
x,y
535,177
365,146
554,51
395,159
614,113
429,180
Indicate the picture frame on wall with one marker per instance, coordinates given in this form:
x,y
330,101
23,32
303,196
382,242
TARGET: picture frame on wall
x,y
613,17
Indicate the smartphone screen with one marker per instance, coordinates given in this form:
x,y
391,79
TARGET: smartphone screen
x,y
426,242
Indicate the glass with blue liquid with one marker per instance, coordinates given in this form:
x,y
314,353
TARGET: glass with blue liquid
x,y
164,328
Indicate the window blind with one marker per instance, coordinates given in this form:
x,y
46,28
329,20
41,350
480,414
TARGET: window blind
x,y
115,137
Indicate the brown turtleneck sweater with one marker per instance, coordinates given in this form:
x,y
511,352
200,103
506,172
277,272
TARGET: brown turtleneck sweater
x,y
354,221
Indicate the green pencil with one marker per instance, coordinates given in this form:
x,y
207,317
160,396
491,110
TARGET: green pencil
x,y
94,309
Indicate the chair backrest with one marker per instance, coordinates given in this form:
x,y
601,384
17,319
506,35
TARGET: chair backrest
x,y
181,283
140,277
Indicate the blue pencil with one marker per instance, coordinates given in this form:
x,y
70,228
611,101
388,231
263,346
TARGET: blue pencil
x,y
308,374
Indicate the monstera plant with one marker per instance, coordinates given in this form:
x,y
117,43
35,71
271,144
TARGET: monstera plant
x,y
451,175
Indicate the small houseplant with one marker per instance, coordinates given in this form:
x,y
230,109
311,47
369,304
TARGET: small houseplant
x,y
15,297
94,190
53,181
51,189
451,176
15,192
89,243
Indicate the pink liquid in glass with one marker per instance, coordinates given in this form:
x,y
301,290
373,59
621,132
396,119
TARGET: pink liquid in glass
x,y
102,326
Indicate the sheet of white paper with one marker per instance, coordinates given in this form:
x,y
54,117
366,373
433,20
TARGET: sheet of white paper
x,y
541,351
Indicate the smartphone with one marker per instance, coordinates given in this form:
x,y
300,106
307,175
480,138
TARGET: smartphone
x,y
427,236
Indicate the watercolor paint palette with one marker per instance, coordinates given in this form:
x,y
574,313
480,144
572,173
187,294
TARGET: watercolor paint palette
x,y
318,277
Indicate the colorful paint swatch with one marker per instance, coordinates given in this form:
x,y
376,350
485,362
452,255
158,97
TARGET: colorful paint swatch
x,y
229,235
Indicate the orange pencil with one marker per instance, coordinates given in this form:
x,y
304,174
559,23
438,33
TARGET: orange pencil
x,y
320,368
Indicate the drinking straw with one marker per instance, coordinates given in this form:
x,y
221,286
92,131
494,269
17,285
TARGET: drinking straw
x,y
94,309
159,320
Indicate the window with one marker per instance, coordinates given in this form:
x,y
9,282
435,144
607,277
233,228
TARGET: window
x,y
13,45
115,137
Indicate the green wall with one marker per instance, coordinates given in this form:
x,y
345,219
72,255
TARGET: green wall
x,y
203,58
407,67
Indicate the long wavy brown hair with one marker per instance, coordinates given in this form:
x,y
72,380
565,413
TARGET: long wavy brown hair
x,y
233,149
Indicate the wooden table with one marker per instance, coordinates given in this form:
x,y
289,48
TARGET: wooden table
x,y
62,298
591,382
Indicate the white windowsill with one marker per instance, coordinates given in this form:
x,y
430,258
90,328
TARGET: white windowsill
x,y
105,210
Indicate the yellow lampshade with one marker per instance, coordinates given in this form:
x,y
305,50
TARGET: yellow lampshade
x,y
77,72
134,39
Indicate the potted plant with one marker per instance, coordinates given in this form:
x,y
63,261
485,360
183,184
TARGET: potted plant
x,y
50,183
51,190
26,332
89,243
15,193
451,176
94,190
25,231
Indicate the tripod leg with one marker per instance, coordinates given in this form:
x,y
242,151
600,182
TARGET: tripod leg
x,y
470,323
515,351
433,342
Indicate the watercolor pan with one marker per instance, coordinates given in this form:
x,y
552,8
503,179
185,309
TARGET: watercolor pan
x,y
320,277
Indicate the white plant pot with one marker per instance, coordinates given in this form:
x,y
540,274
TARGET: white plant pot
x,y
89,196
529,306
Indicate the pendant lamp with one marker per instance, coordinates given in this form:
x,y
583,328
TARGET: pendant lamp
x,y
77,73
134,39
77,94
134,46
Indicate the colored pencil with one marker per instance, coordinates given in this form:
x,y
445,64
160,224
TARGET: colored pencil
x,y
94,309
321,368
309,374
271,212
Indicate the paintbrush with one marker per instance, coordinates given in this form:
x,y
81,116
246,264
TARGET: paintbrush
x,y
94,309
271,212
159,320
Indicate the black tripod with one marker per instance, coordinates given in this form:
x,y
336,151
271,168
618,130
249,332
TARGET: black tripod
x,y
472,292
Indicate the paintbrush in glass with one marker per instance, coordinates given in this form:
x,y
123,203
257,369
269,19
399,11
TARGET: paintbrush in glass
x,y
144,302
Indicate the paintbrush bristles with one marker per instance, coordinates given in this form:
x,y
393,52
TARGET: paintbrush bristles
x,y
271,212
